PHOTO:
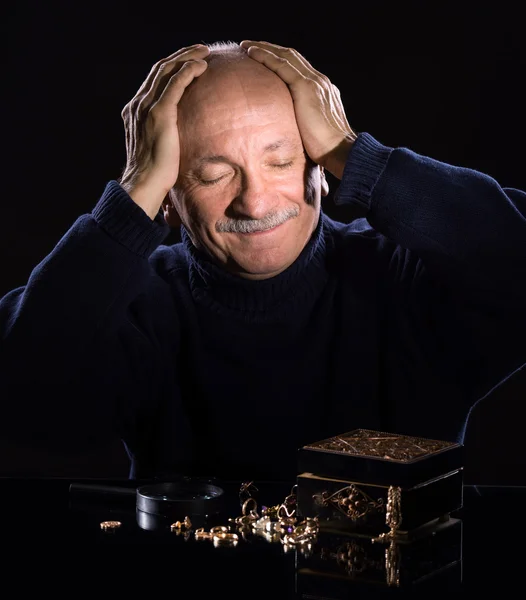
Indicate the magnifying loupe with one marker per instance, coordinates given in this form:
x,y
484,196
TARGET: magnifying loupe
x,y
159,504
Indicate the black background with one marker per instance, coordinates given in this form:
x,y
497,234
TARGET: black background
x,y
448,83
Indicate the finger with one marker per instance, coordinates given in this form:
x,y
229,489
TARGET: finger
x,y
197,51
179,81
247,43
164,72
290,54
163,67
281,66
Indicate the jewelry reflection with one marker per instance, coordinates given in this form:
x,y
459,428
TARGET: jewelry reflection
x,y
225,539
353,558
201,534
434,558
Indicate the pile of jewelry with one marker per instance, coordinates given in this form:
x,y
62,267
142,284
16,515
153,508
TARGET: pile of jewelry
x,y
277,523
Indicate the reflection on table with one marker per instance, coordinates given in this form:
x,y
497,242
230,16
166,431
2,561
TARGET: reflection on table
x,y
480,546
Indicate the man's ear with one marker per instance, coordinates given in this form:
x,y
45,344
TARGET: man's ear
x,y
324,183
171,216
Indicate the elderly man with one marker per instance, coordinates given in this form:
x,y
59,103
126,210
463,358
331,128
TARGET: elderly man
x,y
270,325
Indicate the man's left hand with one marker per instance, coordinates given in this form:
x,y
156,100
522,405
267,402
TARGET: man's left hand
x,y
325,132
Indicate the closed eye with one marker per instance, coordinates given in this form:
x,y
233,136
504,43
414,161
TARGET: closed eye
x,y
212,181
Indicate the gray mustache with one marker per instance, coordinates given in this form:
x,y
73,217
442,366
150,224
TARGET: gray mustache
x,y
252,225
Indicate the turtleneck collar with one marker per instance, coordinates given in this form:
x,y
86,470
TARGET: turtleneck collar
x,y
284,295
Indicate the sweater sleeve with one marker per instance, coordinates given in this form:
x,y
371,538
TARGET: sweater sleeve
x,y
67,337
455,254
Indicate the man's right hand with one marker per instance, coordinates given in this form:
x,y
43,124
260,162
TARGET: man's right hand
x,y
150,123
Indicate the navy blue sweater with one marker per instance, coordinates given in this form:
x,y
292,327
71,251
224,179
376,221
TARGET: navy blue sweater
x,y
398,321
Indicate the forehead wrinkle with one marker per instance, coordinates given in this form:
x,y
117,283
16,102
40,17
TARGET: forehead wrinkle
x,y
272,147
210,121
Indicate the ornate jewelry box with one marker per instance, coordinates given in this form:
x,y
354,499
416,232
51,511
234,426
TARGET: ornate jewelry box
x,y
380,484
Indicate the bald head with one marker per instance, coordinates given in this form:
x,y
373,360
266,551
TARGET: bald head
x,y
234,92
229,65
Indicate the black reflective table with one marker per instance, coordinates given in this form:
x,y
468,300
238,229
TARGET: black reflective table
x,y
59,521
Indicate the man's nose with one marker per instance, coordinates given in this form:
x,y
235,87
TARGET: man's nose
x,y
255,197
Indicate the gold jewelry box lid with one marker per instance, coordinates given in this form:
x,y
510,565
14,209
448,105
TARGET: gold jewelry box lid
x,y
380,457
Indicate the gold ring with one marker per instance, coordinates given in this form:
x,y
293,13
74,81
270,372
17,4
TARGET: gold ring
x,y
110,525
219,529
246,504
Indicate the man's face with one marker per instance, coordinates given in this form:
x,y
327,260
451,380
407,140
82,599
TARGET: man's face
x,y
246,191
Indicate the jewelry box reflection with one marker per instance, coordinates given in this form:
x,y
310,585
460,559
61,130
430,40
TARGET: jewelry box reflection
x,y
339,560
